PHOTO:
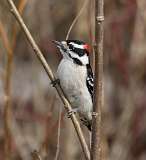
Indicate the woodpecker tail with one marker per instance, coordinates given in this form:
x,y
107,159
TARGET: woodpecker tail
x,y
87,123
89,126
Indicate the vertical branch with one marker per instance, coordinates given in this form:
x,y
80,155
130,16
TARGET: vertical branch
x,y
93,35
58,135
7,90
7,108
98,89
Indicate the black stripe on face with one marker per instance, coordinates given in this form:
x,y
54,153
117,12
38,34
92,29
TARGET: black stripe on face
x,y
80,52
75,60
75,41
63,48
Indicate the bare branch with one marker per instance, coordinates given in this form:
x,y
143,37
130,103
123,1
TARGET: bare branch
x,y
58,136
21,7
76,18
98,89
4,38
7,90
52,78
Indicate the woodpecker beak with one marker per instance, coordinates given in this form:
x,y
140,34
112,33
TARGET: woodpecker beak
x,y
58,44
61,45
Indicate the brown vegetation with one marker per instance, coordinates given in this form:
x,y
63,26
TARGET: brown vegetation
x,y
31,116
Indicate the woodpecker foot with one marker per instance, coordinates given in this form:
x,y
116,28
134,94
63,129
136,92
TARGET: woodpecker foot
x,y
95,114
73,111
55,82
84,121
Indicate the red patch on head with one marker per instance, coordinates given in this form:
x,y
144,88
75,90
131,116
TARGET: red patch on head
x,y
87,47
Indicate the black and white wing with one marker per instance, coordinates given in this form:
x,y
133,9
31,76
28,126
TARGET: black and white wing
x,y
90,80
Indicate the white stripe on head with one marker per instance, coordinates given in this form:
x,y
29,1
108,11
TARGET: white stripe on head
x,y
84,59
80,46
63,42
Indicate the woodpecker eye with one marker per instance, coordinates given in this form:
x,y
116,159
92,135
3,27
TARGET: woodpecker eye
x,y
71,47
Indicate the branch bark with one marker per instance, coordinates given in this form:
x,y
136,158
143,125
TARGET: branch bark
x,y
98,89
76,18
51,76
7,91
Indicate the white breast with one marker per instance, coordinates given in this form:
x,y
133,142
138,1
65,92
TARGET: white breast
x,y
73,82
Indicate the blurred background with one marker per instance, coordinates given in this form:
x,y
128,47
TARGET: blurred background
x,y
29,106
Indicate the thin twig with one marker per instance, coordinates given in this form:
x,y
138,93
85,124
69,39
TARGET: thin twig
x,y
7,90
76,18
52,78
15,31
92,5
4,38
58,136
98,89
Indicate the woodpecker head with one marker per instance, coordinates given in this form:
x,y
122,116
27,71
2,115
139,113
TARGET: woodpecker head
x,y
75,51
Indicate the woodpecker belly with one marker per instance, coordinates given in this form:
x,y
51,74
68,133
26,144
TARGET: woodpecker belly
x,y
73,82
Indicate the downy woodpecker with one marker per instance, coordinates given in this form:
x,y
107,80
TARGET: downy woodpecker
x,y
76,77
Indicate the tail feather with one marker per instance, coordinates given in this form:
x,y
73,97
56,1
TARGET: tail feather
x,y
87,123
